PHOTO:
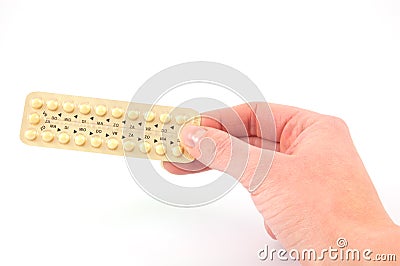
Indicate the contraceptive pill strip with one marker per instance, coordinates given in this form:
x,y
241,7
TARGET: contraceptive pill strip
x,y
106,126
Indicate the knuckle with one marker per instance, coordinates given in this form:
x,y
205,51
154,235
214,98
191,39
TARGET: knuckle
x,y
335,122
223,144
221,149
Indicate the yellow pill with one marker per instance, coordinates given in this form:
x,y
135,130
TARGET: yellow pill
x,y
84,108
177,151
80,139
30,134
180,119
149,116
34,118
117,112
145,147
100,110
165,118
133,115
96,141
37,103
63,138
52,105
160,149
68,107
112,144
129,145
47,136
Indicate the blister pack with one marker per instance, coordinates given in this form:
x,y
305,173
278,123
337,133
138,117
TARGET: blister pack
x,y
106,126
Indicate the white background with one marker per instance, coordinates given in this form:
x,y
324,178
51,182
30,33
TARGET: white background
x,y
72,208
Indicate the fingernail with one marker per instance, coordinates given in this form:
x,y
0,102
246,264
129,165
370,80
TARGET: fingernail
x,y
191,135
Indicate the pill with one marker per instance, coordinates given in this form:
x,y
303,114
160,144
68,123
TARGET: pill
x,y
47,136
160,149
149,116
100,110
68,107
96,141
133,115
84,108
37,103
52,105
80,139
165,118
117,112
145,147
129,145
112,144
63,138
177,151
30,134
34,118
180,119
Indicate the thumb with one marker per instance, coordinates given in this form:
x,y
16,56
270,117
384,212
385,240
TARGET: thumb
x,y
221,151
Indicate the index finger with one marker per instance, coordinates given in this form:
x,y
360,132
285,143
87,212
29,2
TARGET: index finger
x,y
256,119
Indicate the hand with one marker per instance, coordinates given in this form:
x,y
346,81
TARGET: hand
x,y
316,189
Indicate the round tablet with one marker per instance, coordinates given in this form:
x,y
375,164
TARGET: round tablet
x,y
160,149
145,147
37,103
68,107
96,141
100,110
63,138
117,112
165,118
80,139
149,116
180,119
112,144
84,108
47,136
177,151
52,105
30,134
133,115
34,118
129,145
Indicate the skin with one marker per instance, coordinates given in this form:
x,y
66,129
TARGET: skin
x,y
315,187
